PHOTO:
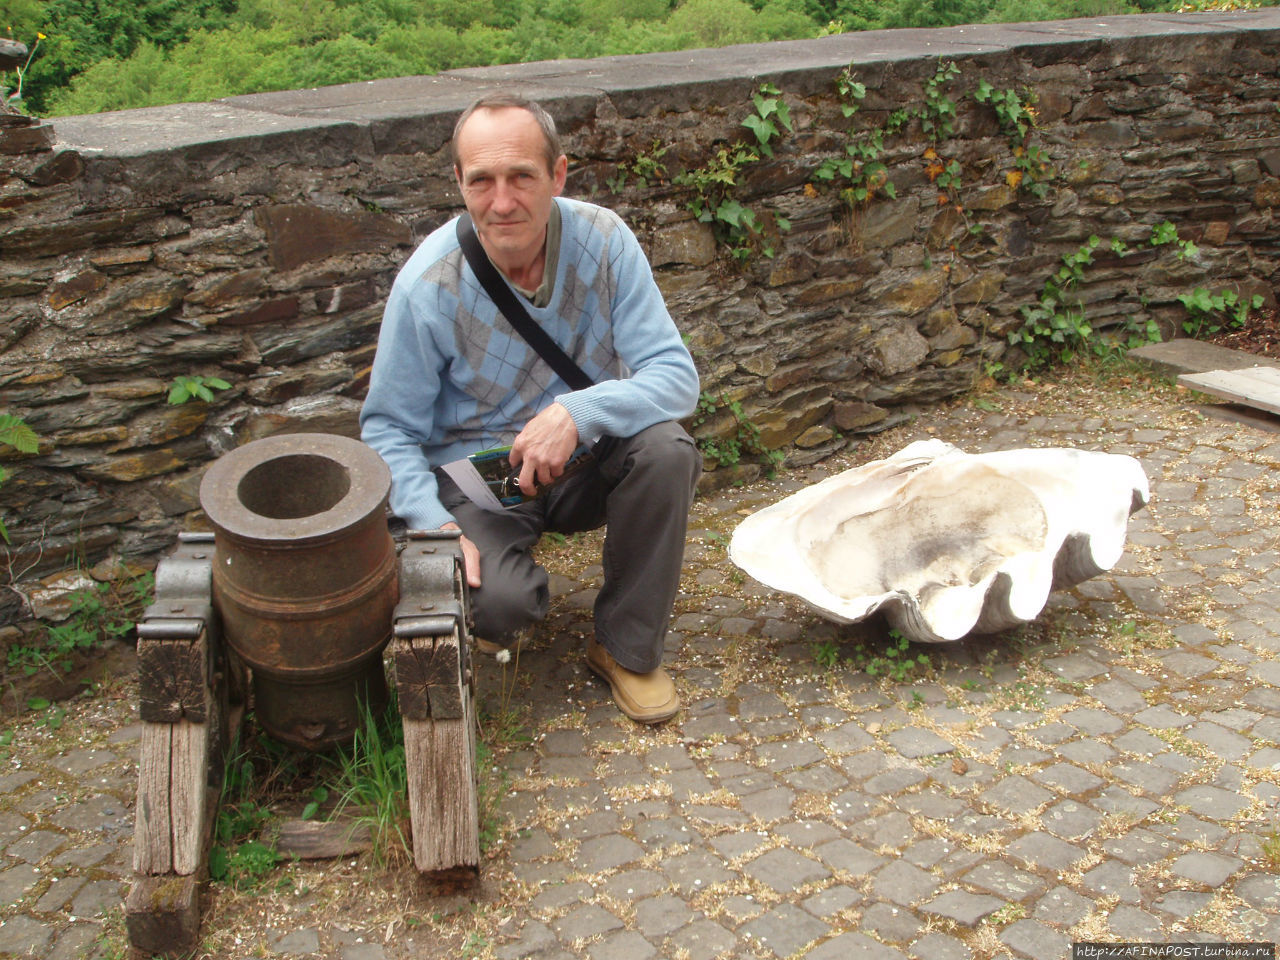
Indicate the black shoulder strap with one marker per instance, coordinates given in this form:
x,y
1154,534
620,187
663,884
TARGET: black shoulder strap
x,y
511,307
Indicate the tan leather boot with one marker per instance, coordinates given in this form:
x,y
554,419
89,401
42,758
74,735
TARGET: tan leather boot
x,y
645,697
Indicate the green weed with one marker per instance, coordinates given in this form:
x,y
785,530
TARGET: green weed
x,y
373,781
195,388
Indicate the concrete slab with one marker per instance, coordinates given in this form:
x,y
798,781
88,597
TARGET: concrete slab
x,y
1256,386
1184,355
148,130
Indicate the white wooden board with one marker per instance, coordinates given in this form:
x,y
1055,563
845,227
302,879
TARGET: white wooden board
x,y
1257,387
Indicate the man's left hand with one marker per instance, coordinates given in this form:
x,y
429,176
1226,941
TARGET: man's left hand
x,y
543,446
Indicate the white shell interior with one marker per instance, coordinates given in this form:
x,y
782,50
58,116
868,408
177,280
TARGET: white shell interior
x,y
947,543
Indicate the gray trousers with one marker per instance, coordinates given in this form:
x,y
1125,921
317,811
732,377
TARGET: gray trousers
x,y
640,488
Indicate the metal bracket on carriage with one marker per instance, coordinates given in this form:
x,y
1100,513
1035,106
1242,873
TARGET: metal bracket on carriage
x,y
430,627
173,650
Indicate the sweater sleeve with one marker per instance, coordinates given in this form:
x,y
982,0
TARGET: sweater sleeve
x,y
399,414
660,382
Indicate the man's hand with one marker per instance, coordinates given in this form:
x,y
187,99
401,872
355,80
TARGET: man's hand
x,y
543,446
470,557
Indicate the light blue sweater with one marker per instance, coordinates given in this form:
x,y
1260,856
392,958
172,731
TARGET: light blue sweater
x,y
452,377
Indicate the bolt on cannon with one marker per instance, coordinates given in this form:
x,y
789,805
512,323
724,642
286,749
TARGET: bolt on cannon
x,y
288,606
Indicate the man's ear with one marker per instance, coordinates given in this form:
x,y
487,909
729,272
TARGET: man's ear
x,y
457,176
559,172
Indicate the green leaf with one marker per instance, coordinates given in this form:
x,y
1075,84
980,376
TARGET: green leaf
x,y
16,433
37,703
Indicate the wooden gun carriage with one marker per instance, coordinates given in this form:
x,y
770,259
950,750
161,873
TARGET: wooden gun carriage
x,y
292,601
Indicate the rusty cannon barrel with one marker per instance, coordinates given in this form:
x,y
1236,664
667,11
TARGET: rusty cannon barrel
x,y
304,579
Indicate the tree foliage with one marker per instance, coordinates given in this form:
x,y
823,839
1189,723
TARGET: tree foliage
x,y
112,54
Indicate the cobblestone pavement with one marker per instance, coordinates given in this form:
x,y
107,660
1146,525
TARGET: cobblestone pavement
x,y
1111,772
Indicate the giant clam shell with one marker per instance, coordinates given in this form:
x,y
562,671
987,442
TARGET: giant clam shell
x,y
944,542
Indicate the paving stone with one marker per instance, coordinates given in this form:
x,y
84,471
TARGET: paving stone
x,y
607,853
1045,850
75,942
1070,820
783,870
966,909
895,780
1146,776
558,895
1004,880
306,940
59,894
787,756
1067,778
827,903
1207,869
1063,907
1016,795
916,742
902,883
1138,847
1111,879
656,917
1052,734
635,884
1260,890
1212,802
889,922
1224,743
1133,924
939,946
695,871
932,805
819,778
848,857
1031,938
769,805
17,881
1087,751
660,831
79,762
732,846
1163,717
785,929
808,833
1182,903
853,946
97,898
36,845
890,830
22,936
1192,830
1074,666
587,920
1093,723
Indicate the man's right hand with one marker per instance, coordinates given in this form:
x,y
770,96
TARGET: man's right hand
x,y
470,557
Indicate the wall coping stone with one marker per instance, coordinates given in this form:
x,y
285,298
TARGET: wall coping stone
x,y
416,114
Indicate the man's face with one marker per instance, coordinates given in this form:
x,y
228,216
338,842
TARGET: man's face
x,y
502,170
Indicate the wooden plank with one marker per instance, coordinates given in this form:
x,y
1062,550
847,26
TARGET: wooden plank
x,y
162,915
152,836
315,840
173,792
440,757
189,794
1257,387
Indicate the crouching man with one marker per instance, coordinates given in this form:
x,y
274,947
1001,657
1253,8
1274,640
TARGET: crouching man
x,y
452,376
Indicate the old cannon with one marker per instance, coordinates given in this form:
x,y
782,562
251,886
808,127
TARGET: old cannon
x,y
291,605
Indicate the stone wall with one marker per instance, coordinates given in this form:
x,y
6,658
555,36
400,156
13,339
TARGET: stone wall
x,y
255,238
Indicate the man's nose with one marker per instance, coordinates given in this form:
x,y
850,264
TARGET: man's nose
x,y
504,197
